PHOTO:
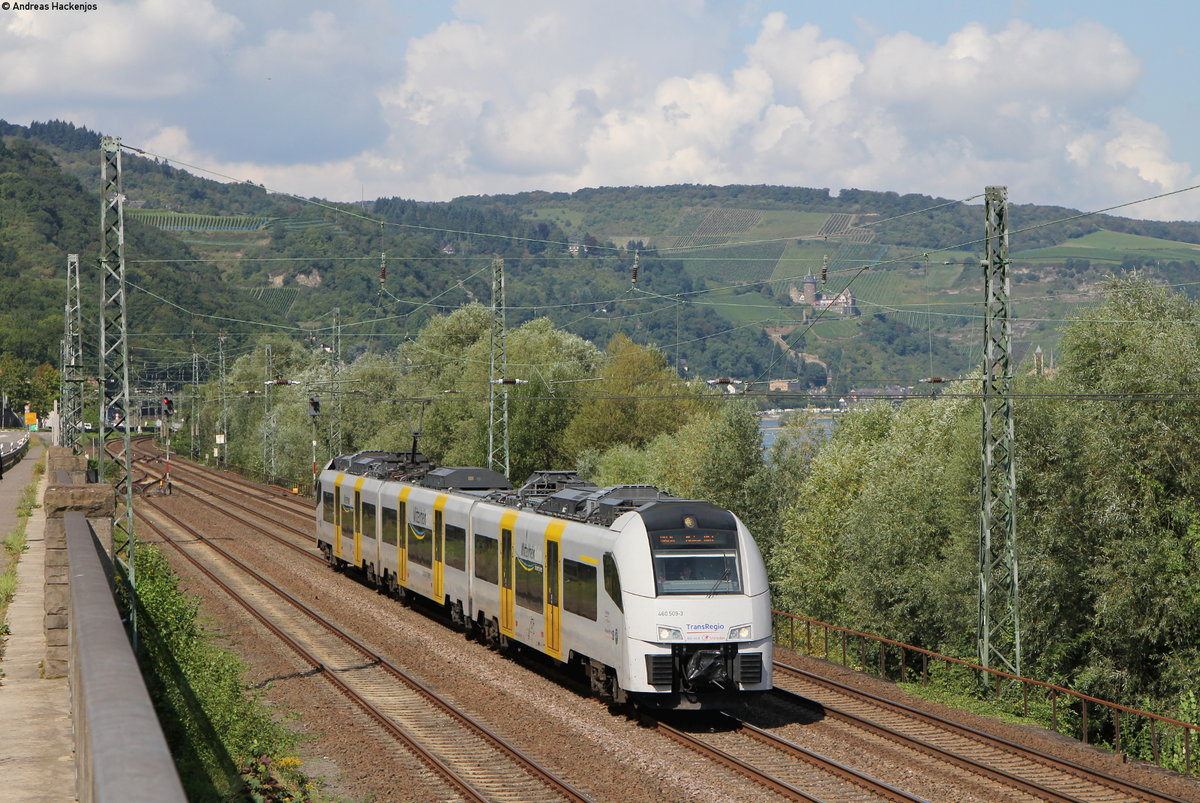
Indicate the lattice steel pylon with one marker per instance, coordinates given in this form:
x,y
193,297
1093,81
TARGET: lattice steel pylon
x,y
114,358
999,627
222,438
335,369
194,415
498,453
70,420
269,422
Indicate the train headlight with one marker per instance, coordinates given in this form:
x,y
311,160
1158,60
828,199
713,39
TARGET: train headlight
x,y
669,633
739,632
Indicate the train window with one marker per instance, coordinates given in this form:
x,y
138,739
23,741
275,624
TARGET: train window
x,y
368,520
506,550
390,523
692,572
456,547
420,545
552,573
487,554
347,516
529,585
612,580
327,506
579,588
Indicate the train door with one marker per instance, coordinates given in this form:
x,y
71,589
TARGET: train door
x,y
508,614
358,521
439,547
337,515
553,588
402,536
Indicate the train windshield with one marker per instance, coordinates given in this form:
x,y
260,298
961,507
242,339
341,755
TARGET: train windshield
x,y
694,572
694,546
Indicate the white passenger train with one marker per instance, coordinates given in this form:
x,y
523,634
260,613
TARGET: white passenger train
x,y
659,600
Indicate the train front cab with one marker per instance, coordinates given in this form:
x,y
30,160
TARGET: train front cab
x,y
697,608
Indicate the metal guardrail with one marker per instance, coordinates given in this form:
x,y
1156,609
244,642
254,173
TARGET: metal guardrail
x,y
11,453
121,753
1161,735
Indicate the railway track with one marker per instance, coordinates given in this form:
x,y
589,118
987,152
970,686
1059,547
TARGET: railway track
x,y
1020,769
1013,771
782,766
814,777
267,498
225,506
469,758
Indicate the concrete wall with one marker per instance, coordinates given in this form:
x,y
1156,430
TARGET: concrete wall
x,y
65,494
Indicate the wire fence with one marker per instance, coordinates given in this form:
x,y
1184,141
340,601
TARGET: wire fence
x,y
1150,737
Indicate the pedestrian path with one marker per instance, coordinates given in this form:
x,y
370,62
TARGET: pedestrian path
x,y
37,760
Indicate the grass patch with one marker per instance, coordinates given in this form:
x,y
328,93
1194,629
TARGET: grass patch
x,y
228,743
751,262
14,543
964,701
1112,247
748,308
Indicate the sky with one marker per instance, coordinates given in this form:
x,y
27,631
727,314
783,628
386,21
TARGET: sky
x,y
1087,105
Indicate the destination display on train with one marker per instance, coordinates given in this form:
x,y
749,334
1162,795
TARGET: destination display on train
x,y
692,539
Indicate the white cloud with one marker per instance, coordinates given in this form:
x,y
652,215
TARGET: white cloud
x,y
333,179
1040,110
143,49
533,94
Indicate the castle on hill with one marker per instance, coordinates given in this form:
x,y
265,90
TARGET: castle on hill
x,y
807,294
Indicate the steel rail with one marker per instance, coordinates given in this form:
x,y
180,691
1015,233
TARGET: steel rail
x,y
1065,766
816,760
224,510
530,766
921,746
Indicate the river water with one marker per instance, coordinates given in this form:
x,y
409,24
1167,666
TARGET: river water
x,y
821,424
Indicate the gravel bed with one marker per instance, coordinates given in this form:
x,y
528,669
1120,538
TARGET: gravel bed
x,y
1031,736
606,756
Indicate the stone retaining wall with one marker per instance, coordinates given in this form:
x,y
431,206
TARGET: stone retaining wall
x,y
68,492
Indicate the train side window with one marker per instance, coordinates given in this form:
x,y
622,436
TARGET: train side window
x,y
506,550
529,584
438,537
420,545
327,506
456,547
347,515
552,573
368,520
579,588
487,553
612,580
390,521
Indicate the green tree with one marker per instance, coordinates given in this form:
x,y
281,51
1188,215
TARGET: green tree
x,y
1110,482
44,385
868,544
636,398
